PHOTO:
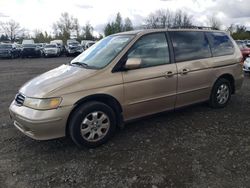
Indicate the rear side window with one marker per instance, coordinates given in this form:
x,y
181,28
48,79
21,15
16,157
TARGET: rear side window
x,y
189,45
220,44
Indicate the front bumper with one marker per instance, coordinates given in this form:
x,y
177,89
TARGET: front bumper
x,y
32,53
47,53
75,51
38,124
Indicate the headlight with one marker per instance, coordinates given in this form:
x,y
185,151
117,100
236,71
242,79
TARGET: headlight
x,y
42,104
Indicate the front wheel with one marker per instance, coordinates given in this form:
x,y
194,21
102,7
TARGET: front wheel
x,y
221,93
92,124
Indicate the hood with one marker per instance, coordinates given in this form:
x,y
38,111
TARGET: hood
x,y
44,85
50,49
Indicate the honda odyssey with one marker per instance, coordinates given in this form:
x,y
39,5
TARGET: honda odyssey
x,y
126,76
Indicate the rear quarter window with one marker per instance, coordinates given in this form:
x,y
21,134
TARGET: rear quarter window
x,y
190,45
220,44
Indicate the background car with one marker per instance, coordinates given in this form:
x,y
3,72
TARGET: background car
x,y
18,49
41,47
248,43
73,48
244,49
88,44
59,44
30,50
51,50
246,65
85,42
8,51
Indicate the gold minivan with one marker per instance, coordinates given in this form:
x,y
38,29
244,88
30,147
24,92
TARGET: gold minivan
x,y
126,76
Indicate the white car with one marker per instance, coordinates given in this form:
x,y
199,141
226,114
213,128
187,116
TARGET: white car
x,y
246,65
51,50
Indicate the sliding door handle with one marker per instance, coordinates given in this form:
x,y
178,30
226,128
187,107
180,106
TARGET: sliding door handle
x,y
169,74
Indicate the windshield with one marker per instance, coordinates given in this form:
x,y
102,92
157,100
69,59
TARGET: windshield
x,y
4,46
28,42
103,52
247,60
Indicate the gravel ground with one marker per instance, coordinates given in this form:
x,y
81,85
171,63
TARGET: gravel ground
x,y
192,147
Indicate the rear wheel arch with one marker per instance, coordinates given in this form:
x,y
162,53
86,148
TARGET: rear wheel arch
x,y
220,93
104,98
228,77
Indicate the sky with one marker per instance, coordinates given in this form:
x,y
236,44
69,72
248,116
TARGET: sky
x,y
41,14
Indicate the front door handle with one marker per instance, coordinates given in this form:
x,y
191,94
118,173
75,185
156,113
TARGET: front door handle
x,y
169,74
185,71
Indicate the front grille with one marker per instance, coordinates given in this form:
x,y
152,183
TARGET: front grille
x,y
29,49
19,99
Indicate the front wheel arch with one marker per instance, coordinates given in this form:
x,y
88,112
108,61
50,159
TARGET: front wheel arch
x,y
104,98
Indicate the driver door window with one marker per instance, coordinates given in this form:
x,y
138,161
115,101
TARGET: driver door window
x,y
152,49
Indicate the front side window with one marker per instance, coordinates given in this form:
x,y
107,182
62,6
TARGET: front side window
x,y
189,45
152,49
220,44
103,52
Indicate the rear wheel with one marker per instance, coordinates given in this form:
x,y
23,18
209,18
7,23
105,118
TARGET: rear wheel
x,y
92,124
221,93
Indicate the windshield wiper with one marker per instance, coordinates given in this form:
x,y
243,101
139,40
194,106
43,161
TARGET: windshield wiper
x,y
84,65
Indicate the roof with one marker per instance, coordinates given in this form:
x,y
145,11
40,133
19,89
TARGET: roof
x,y
144,31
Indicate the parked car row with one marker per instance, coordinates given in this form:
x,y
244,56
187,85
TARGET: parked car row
x,y
9,50
246,42
244,47
55,48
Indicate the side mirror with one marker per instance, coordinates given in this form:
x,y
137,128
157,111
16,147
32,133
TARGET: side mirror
x,y
133,63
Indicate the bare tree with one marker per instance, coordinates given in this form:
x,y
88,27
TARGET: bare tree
x,y
182,19
65,26
214,23
167,19
231,29
152,21
12,29
128,26
88,31
240,28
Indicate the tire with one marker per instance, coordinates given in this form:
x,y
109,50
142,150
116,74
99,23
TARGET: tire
x,y
221,93
85,131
